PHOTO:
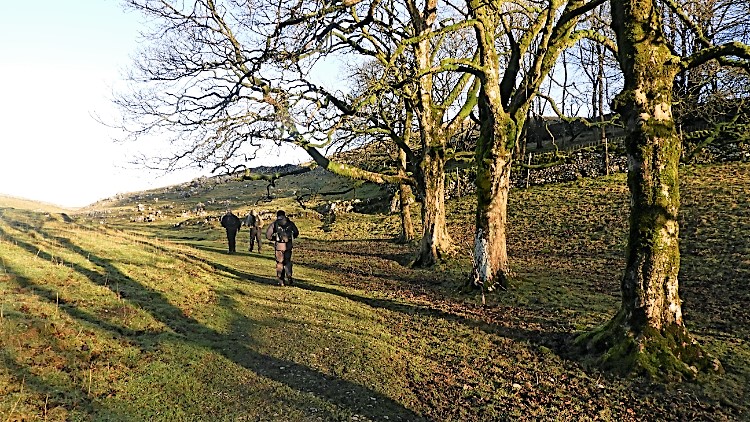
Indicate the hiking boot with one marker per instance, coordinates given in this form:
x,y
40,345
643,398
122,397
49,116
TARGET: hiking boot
x,y
289,281
281,281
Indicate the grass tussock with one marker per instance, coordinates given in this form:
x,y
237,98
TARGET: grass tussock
x,y
105,319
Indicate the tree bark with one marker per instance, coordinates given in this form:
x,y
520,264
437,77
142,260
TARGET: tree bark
x,y
493,157
405,201
490,264
435,240
648,336
431,180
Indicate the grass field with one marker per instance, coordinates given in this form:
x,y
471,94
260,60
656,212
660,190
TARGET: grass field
x,y
103,318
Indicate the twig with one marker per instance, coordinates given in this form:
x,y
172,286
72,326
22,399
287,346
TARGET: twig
x,y
91,370
20,395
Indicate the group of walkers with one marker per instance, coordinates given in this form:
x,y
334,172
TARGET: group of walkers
x,y
281,231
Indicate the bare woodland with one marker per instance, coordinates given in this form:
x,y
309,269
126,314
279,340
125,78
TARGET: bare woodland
x,y
223,78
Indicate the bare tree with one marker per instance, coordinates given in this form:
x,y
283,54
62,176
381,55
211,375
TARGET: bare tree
x,y
648,334
537,35
225,77
717,21
710,99
597,76
411,39
219,81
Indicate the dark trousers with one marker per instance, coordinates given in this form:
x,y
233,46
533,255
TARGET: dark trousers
x,y
254,235
231,237
284,264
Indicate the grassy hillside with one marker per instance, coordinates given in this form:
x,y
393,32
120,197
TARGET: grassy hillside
x,y
7,201
210,197
105,318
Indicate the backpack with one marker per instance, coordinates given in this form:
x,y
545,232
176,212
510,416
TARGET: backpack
x,y
282,233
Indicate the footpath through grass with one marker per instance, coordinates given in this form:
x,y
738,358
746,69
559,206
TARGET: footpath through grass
x,y
133,321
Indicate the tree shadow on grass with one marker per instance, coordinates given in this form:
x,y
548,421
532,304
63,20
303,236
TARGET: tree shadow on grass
x,y
63,395
342,393
550,335
364,248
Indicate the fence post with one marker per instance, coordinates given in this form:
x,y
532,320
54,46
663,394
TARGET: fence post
x,y
606,154
528,172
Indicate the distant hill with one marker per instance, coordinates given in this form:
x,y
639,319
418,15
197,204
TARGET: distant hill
x,y
298,194
7,201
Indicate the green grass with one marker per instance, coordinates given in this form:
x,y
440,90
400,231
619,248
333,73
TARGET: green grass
x,y
102,318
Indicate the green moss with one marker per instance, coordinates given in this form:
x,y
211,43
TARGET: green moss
x,y
659,128
670,354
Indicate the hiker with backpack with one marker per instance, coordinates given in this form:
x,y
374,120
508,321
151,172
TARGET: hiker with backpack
x,y
232,224
253,221
282,231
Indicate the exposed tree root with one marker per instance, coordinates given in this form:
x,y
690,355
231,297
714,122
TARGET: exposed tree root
x,y
669,354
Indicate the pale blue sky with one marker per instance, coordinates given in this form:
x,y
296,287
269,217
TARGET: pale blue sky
x,y
59,62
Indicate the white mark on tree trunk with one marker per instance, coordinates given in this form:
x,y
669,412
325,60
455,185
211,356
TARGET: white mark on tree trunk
x,y
481,258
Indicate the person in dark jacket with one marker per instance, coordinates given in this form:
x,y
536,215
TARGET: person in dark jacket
x,y
232,224
282,231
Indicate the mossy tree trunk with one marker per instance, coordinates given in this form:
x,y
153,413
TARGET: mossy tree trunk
x,y
490,264
406,198
647,335
431,178
504,100
435,240
494,156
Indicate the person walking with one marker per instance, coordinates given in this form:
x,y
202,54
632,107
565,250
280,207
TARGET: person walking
x,y
232,224
253,221
282,231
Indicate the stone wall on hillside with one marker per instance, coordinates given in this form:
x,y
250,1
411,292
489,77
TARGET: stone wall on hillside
x,y
583,163
579,165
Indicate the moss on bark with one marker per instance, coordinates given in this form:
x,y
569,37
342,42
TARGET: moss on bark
x,y
666,354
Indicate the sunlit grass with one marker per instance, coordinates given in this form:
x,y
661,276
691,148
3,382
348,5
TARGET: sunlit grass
x,y
105,319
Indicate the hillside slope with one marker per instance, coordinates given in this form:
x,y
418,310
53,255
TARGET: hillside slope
x,y
7,201
105,318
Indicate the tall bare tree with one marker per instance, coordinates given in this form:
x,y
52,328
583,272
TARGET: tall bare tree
x,y
408,38
704,92
219,82
226,76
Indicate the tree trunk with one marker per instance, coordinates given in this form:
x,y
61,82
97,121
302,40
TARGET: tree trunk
x,y
405,201
647,336
431,180
435,240
493,158
490,266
